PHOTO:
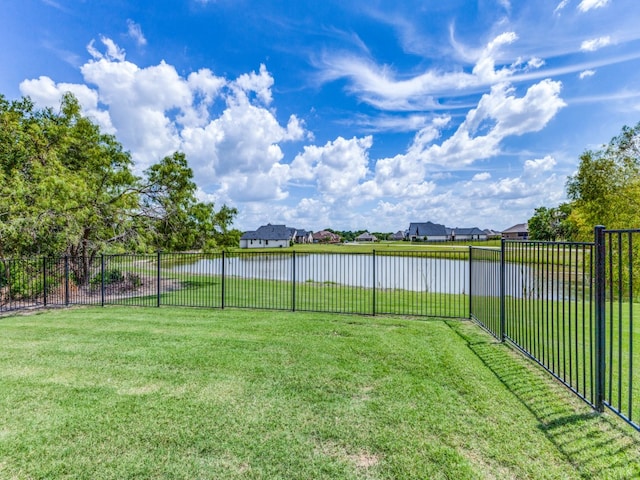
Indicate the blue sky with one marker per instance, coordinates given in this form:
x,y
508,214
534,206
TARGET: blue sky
x,y
361,114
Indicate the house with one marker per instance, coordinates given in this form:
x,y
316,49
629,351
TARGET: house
x,y
303,236
473,233
399,235
433,232
366,237
325,236
492,234
268,236
517,232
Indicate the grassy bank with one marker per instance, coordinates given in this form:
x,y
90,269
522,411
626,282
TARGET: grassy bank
x,y
178,393
381,247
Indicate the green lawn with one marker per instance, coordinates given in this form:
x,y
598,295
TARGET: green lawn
x,y
120,392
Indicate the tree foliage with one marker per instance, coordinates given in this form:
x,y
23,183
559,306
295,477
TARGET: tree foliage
x,y
68,188
606,187
551,224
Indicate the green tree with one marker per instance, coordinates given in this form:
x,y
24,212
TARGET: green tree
x,y
606,188
551,224
68,188
178,221
64,183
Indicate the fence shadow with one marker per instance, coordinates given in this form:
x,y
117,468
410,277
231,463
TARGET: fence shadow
x,y
588,440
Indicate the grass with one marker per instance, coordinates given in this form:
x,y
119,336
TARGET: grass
x,y
182,394
382,247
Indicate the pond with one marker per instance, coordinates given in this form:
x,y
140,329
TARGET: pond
x,y
415,273
447,273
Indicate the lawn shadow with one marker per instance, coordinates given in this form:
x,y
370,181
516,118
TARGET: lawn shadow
x,y
598,445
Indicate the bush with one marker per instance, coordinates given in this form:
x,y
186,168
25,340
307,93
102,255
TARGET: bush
x,y
23,279
112,275
134,279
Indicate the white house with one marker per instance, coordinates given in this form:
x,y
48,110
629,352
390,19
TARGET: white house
x,y
268,236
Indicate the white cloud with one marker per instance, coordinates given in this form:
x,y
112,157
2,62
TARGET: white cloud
x,y
381,87
480,177
135,31
540,164
560,7
587,73
499,114
586,5
336,168
114,52
239,151
138,100
260,84
511,199
45,92
595,44
535,62
389,123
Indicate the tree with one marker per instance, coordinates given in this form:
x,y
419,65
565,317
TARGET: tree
x,y
606,188
65,184
68,188
177,220
551,224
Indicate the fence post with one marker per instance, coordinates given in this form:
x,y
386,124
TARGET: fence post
x,y
44,280
502,290
102,279
222,293
373,309
66,280
470,280
293,288
600,296
158,286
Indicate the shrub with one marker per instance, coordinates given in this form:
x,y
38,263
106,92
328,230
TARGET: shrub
x,y
22,279
112,275
134,279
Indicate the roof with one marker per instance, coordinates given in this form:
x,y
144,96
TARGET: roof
x,y
521,227
468,231
270,232
427,229
366,236
325,234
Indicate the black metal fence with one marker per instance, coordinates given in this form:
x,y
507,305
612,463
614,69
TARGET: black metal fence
x,y
485,288
620,314
426,283
571,307
546,308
